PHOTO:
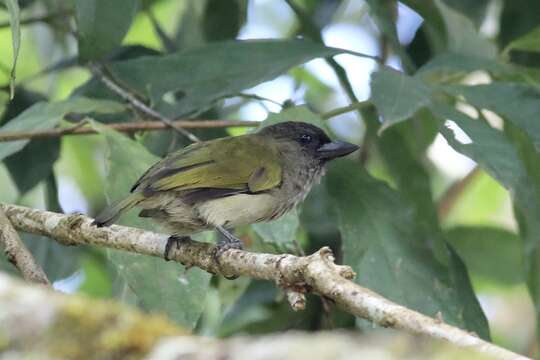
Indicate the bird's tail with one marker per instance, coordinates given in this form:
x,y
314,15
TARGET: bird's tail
x,y
111,213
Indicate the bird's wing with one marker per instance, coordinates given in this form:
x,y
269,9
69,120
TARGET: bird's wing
x,y
217,164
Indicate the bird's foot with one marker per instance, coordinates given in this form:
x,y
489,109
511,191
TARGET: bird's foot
x,y
174,240
227,243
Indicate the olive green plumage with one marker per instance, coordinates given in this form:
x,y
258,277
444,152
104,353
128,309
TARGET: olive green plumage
x,y
232,181
242,162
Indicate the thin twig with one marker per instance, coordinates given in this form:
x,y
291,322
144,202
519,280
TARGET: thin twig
x,y
18,254
454,192
136,103
125,127
257,97
342,110
316,272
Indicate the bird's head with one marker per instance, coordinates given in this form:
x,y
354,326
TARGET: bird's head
x,y
310,139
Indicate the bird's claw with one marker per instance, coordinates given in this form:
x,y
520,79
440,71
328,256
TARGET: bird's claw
x,y
220,248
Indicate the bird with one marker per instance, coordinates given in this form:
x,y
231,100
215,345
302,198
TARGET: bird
x,y
232,181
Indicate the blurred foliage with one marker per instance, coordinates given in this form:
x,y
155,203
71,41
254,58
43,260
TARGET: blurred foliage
x,y
468,76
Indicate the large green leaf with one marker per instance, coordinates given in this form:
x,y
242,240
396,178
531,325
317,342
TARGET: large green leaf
x,y
515,164
102,24
46,115
14,21
160,285
193,80
414,183
485,248
396,96
515,102
380,242
453,66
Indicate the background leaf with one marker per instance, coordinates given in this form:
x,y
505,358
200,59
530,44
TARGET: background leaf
x,y
102,25
212,72
474,243
380,242
515,102
397,97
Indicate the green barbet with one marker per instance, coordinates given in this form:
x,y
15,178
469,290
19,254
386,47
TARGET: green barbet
x,y
228,182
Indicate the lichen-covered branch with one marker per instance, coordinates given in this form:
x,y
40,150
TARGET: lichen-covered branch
x,y
18,254
316,272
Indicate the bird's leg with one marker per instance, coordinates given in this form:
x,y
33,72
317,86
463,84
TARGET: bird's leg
x,y
173,240
228,241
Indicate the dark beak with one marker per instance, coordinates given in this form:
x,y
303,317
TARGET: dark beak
x,y
335,149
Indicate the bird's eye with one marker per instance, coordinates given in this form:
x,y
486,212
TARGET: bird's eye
x,y
304,139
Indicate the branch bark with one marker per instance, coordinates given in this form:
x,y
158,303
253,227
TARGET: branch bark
x,y
18,254
316,272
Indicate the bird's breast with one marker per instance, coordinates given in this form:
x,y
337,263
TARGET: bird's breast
x,y
245,209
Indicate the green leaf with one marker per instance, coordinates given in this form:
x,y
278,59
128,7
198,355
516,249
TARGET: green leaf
x,y
453,66
528,42
515,102
485,248
527,208
97,278
189,31
160,285
281,232
102,24
379,237
414,183
46,115
462,35
14,21
223,19
33,163
397,96
515,164
193,80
